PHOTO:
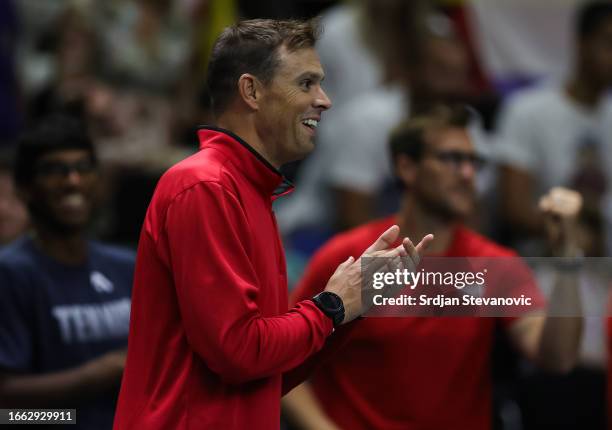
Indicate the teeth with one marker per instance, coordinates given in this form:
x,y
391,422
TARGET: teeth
x,y
73,200
311,123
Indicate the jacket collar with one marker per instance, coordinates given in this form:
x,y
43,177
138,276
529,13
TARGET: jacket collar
x,y
267,178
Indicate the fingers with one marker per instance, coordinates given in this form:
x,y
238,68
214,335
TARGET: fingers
x,y
424,244
561,208
404,249
405,256
561,202
416,252
381,248
544,203
344,265
411,250
385,240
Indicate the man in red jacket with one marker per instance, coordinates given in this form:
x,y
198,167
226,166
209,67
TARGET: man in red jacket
x,y
430,373
212,343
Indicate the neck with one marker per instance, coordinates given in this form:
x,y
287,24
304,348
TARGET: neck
x,y
243,127
584,91
67,248
416,221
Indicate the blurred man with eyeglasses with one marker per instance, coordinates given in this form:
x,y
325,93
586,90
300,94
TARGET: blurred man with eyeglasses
x,y
431,372
65,300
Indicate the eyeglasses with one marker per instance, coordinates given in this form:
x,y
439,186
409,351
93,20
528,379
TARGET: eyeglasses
x,y
58,169
455,159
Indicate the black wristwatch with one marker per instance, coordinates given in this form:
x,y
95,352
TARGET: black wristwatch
x,y
331,305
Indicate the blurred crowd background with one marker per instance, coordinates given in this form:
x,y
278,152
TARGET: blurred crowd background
x,y
535,76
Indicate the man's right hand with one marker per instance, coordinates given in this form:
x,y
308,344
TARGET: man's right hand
x,y
347,283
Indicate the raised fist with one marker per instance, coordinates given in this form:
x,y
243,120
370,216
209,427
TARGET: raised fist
x,y
561,208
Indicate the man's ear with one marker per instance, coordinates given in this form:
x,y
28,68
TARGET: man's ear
x,y
249,89
406,169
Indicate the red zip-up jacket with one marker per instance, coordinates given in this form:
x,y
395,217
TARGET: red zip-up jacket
x,y
210,331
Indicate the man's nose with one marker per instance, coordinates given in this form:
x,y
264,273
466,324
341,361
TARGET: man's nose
x,y
467,169
73,177
322,101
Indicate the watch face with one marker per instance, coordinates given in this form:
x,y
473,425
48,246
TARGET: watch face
x,y
330,301
331,305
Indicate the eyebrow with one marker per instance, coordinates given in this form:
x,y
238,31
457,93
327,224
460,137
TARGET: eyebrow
x,y
312,75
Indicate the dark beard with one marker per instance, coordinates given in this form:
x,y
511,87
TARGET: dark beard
x,y
440,210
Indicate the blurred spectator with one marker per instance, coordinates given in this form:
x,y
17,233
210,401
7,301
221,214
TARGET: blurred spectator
x,y
117,64
555,134
149,42
520,41
75,58
36,62
13,214
132,120
561,401
431,372
65,305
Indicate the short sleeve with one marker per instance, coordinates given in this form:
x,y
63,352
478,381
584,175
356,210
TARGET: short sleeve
x,y
515,144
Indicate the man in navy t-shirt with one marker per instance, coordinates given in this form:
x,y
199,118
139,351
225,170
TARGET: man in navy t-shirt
x,y
64,300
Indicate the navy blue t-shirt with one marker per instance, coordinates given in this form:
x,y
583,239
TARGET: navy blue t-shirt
x,y
55,317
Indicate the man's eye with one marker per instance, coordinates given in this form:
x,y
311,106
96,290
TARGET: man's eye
x,y
306,83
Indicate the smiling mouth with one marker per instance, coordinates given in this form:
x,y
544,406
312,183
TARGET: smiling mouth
x,y
73,201
311,123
